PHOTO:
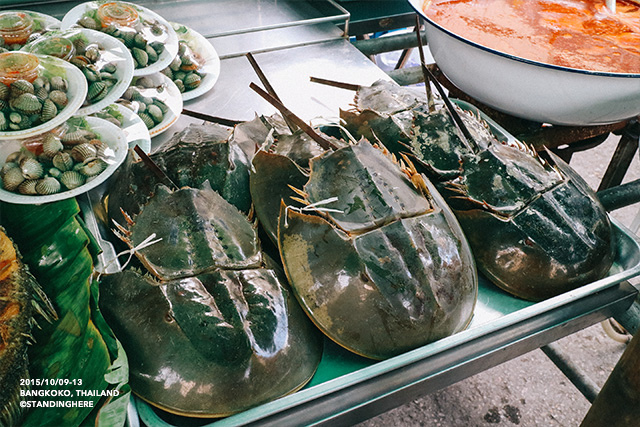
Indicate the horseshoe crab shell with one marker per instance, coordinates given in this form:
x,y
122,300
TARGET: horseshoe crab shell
x,y
220,319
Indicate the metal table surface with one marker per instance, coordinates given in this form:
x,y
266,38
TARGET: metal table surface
x,y
348,388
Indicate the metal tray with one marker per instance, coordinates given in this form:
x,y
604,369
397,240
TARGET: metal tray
x,y
348,388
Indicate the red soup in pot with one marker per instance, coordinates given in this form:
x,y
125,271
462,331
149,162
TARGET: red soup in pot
x,y
569,33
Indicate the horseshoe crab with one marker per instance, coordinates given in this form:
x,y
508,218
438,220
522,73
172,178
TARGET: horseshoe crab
x,y
220,331
535,227
372,253
198,153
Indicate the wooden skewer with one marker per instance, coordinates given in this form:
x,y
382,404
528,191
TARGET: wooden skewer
x,y
326,145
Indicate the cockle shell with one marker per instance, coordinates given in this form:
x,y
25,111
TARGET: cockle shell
x,y
147,120
180,85
59,83
21,86
59,98
41,93
93,167
77,137
5,168
27,103
83,152
12,179
97,91
41,82
31,169
28,186
62,161
72,179
48,185
49,110
4,123
51,145
4,91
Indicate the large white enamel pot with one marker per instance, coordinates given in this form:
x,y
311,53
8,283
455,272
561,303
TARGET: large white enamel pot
x,y
529,89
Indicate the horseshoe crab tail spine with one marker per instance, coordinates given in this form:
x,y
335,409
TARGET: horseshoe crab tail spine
x,y
270,90
341,85
326,145
427,86
457,120
155,169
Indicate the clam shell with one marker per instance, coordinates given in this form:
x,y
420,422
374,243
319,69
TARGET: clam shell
x,y
48,185
83,152
141,57
129,93
93,167
28,186
62,161
59,98
72,179
12,179
128,38
157,29
109,67
27,103
158,47
51,145
88,22
4,123
49,110
151,53
175,64
160,104
139,41
192,81
59,83
180,85
31,168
